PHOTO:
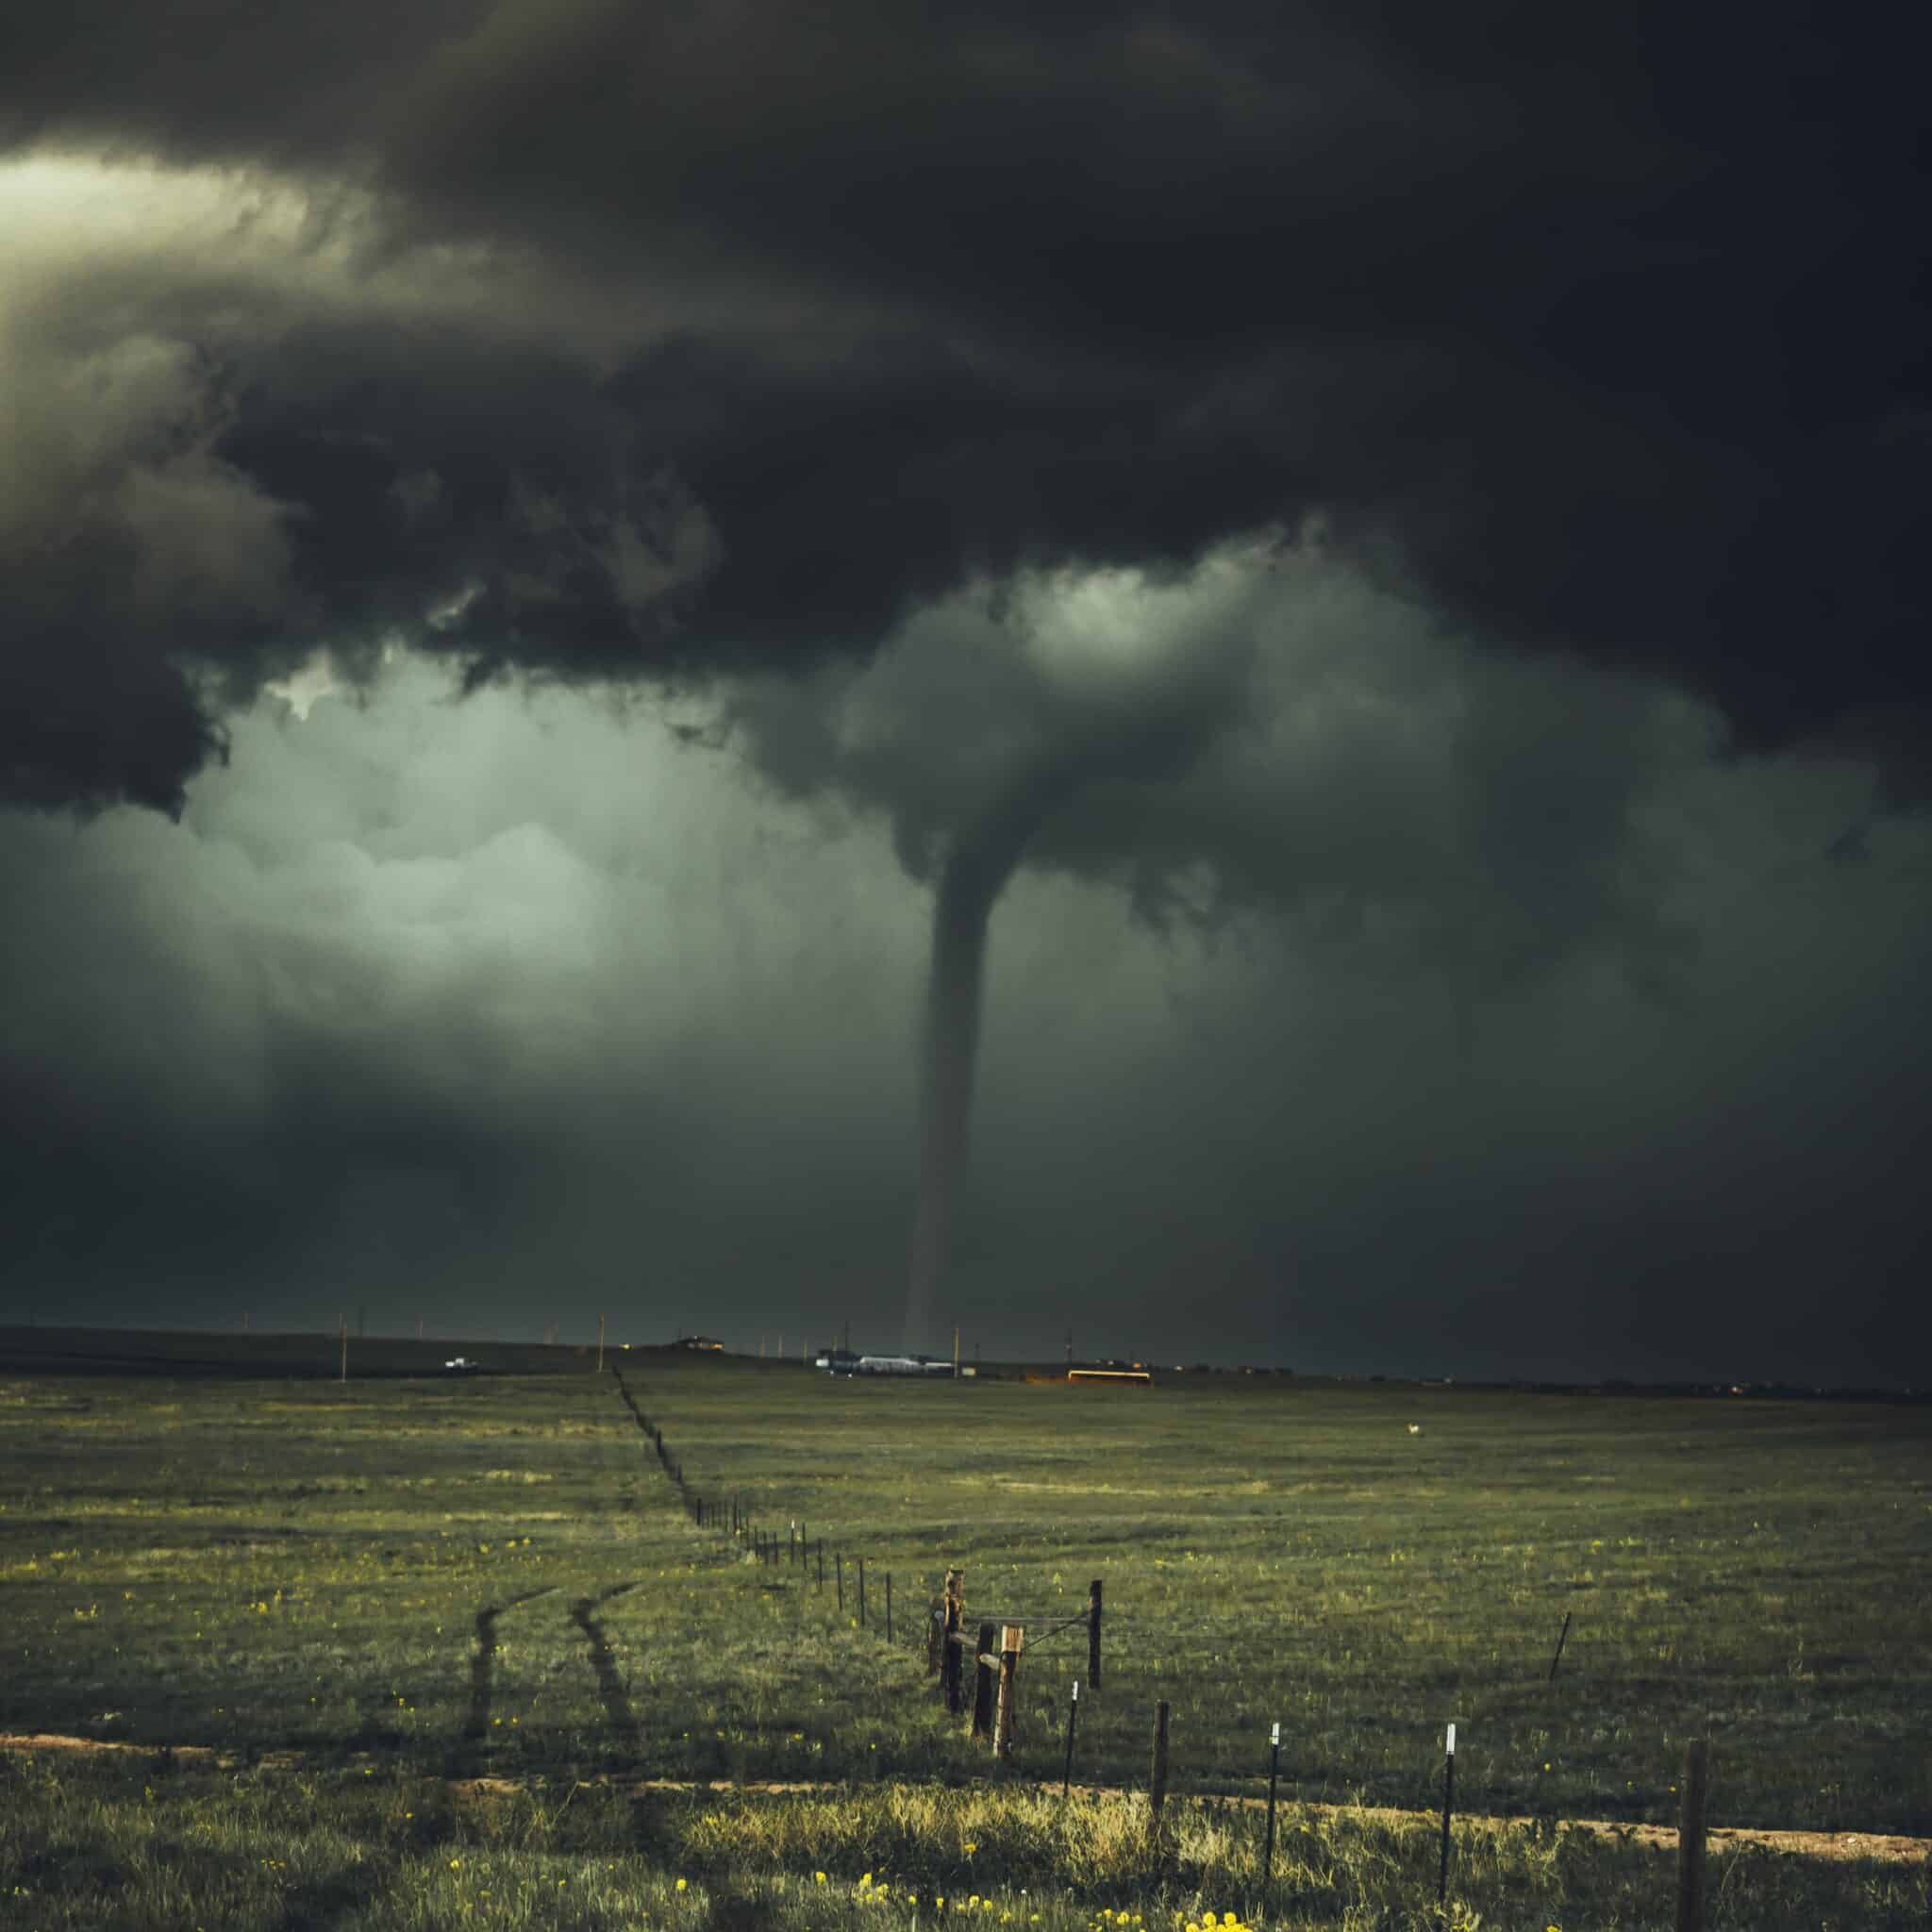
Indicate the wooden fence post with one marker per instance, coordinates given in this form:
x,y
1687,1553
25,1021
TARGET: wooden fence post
x,y
1012,1638
1692,1794
1156,1780
1093,1634
982,1682
1273,1780
951,1672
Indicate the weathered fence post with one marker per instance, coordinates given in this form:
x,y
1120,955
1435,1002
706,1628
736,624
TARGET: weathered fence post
x,y
1093,1634
1268,1844
952,1673
1448,1799
1012,1638
982,1682
1693,1791
1156,1777
1072,1718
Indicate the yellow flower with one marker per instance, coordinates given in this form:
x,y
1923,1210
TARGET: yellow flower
x,y
818,1877
682,1883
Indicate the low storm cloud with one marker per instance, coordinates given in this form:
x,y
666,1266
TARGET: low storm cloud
x,y
1294,639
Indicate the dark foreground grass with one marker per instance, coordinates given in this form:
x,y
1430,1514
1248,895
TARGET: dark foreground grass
x,y
453,1578
125,1847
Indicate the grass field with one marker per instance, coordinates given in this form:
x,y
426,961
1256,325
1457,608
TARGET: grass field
x,y
400,1581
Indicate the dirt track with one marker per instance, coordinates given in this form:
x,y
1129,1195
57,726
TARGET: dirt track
x,y
1886,1848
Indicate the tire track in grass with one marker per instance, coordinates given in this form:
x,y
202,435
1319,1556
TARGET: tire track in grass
x,y
610,1685
466,1752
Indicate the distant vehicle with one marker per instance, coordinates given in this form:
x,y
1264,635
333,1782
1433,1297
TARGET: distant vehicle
x,y
844,1361
462,1364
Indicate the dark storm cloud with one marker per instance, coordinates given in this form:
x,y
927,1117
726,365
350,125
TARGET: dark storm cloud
x,y
1598,331
1301,502
509,1012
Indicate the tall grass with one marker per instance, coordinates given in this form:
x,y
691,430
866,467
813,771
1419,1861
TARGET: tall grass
x,y
86,1846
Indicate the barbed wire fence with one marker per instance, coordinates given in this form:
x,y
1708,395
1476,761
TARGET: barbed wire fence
x,y
995,1649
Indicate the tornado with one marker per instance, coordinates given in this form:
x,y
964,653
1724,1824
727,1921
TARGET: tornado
x,y
983,857
1151,732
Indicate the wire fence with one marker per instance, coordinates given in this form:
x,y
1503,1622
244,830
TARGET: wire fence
x,y
1002,1635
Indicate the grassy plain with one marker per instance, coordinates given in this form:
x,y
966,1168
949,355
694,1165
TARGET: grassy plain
x,y
400,1581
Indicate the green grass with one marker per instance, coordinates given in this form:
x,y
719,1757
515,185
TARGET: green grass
x,y
89,1847
277,1567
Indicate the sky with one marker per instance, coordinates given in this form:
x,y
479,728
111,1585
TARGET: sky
x,y
1247,682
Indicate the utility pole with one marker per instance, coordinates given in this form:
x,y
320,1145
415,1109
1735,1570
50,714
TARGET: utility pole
x,y
600,1344
956,1355
343,1331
